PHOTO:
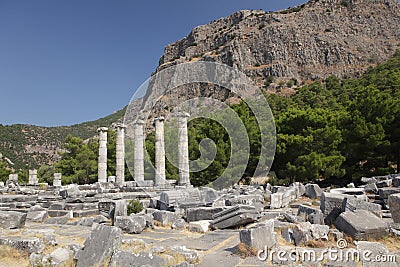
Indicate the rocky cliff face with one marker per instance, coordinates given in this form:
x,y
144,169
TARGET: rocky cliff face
x,y
312,41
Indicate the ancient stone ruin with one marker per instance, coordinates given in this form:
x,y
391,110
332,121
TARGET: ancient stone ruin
x,y
114,222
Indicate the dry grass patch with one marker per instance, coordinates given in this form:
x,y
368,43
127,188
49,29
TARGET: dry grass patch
x,y
316,243
244,251
350,241
133,247
12,257
391,242
15,232
176,258
158,224
64,240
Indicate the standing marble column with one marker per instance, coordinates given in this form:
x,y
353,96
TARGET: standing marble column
x,y
57,179
33,179
183,150
138,151
159,152
120,155
102,161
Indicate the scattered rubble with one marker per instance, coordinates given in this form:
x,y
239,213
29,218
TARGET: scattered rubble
x,y
256,216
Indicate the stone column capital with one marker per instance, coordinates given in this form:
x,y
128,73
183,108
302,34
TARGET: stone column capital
x,y
139,122
161,118
183,114
120,126
102,129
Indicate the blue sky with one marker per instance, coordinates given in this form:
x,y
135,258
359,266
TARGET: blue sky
x,y
66,62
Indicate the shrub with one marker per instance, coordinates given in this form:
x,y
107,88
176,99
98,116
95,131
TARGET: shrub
x,y
134,206
270,79
291,82
345,3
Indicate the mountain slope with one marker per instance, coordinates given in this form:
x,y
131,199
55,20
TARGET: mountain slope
x,y
29,145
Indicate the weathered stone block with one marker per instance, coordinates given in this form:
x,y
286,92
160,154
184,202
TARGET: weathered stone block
x,y
352,204
179,224
350,192
259,236
235,216
12,219
384,183
120,209
133,224
292,218
12,180
59,256
100,219
385,192
396,182
145,183
112,208
278,189
37,216
368,180
85,222
313,191
73,206
371,188
208,195
287,234
310,214
300,189
394,205
282,199
165,217
244,200
276,200
306,231
100,246
202,213
361,224
60,213
72,191
199,226
331,206
174,197
57,220
57,179
57,206
316,218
